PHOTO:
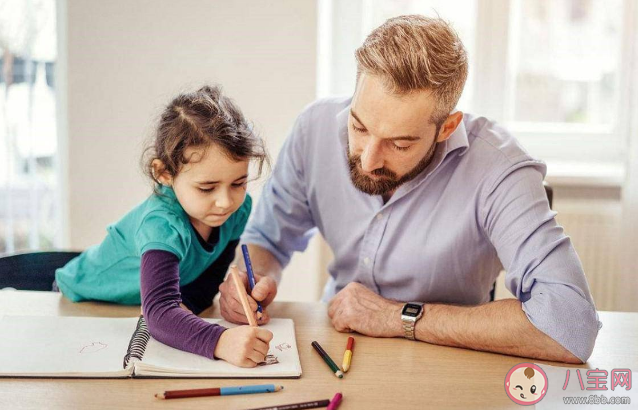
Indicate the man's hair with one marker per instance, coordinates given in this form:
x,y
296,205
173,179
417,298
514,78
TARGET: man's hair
x,y
414,53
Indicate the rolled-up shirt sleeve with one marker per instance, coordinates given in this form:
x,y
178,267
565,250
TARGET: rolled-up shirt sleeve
x,y
543,269
282,222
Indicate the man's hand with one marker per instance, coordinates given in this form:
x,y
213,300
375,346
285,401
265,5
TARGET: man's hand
x,y
264,292
357,308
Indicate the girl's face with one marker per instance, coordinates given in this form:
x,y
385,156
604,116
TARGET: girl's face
x,y
210,187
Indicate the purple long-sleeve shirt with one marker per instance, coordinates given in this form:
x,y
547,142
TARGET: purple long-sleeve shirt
x,y
166,320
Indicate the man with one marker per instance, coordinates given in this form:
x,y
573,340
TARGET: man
x,y
422,207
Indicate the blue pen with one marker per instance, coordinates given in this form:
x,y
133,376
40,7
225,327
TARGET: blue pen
x,y
251,276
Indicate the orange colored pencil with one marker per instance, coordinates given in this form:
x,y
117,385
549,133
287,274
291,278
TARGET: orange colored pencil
x,y
243,296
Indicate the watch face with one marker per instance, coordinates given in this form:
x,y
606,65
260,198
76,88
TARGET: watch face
x,y
411,310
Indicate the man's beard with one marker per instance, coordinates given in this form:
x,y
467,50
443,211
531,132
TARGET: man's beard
x,y
388,181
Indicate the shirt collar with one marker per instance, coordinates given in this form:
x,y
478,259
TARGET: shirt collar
x,y
458,140
166,194
342,124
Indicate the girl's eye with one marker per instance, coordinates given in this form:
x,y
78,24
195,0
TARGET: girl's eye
x,y
240,185
357,129
533,389
205,189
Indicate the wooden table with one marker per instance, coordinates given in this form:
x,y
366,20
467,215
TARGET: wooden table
x,y
385,373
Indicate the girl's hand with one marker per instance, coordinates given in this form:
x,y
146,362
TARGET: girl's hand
x,y
243,346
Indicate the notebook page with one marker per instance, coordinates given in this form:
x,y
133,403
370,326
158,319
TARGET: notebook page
x,y
161,360
64,346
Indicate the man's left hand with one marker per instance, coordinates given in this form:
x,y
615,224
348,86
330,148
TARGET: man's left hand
x,y
357,308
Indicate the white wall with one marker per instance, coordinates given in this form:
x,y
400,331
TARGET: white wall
x,y
126,59
629,274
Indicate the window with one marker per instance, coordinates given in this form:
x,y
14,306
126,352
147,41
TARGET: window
x,y
565,61
564,68
552,71
29,197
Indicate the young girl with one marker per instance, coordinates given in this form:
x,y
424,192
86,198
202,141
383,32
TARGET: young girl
x,y
173,250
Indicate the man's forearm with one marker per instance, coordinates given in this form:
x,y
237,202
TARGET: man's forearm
x,y
264,263
500,327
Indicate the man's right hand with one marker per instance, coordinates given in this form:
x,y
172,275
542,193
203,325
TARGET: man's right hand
x,y
230,305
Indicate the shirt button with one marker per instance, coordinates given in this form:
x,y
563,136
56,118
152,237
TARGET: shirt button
x,y
379,217
366,260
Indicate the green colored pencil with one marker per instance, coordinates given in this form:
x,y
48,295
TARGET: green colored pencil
x,y
328,360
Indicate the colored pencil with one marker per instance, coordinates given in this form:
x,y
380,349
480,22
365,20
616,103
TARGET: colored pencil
x,y
297,406
335,402
251,277
327,359
347,356
243,297
219,391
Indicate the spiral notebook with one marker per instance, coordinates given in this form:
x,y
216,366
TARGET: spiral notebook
x,y
98,347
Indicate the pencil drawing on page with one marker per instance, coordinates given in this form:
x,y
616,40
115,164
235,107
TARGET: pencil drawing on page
x,y
93,347
283,346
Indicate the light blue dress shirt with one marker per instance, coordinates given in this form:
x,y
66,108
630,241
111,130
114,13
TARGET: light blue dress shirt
x,y
442,237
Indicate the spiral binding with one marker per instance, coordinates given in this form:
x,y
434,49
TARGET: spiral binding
x,y
138,342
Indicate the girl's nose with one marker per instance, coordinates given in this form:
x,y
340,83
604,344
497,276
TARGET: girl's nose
x,y
224,200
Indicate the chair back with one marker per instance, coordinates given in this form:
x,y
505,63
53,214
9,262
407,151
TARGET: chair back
x,y
32,271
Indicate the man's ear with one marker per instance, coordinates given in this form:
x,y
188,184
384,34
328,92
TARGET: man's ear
x,y
160,173
449,125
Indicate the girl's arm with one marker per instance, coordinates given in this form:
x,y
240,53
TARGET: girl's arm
x,y
198,295
166,320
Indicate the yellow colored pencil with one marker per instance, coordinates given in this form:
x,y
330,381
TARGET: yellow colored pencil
x,y
347,356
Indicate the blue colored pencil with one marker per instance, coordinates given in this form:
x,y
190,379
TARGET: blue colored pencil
x,y
219,391
251,276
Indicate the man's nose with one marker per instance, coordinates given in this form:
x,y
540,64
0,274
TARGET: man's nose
x,y
371,157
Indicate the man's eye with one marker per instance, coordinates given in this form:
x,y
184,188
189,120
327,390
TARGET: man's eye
x,y
533,389
400,148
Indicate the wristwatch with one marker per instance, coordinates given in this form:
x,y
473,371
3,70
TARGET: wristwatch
x,y
412,311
